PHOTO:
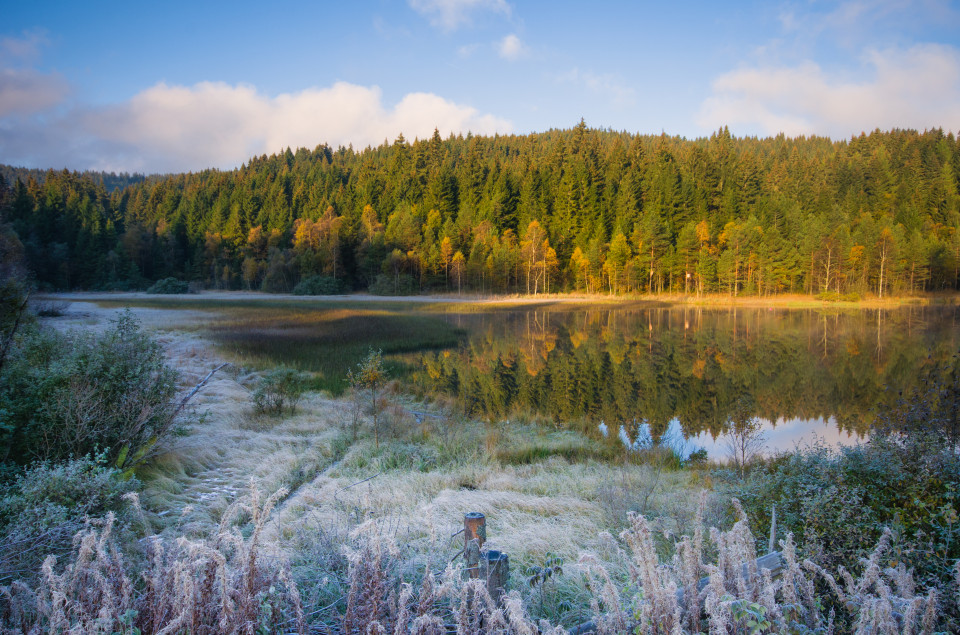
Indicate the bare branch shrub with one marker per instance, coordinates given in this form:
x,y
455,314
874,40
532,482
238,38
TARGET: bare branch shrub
x,y
744,437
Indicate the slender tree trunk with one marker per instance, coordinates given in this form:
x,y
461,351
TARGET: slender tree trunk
x,y
826,280
736,271
883,260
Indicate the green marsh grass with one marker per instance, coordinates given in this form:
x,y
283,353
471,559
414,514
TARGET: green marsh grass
x,y
324,339
328,343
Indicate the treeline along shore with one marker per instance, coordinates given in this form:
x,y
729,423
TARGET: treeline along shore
x,y
578,210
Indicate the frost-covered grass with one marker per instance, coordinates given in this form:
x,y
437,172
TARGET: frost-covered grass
x,y
556,486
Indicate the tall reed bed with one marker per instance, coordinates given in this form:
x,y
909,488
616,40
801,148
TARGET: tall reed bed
x,y
713,584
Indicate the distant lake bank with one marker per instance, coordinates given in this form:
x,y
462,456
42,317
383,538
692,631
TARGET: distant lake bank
x,y
786,301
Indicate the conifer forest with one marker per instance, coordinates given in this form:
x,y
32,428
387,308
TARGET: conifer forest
x,y
578,210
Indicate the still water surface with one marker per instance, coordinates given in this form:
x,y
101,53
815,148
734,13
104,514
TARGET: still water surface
x,y
683,372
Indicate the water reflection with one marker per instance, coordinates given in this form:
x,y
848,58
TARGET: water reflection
x,y
804,372
784,435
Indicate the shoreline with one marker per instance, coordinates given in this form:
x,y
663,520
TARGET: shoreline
x,y
712,301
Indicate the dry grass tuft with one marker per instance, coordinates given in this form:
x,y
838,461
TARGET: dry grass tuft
x,y
223,584
739,598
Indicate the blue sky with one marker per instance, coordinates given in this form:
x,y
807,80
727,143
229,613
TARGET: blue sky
x,y
175,86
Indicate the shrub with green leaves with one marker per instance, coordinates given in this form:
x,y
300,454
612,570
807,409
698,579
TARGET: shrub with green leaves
x,y
839,502
279,389
402,284
319,285
14,292
169,286
85,394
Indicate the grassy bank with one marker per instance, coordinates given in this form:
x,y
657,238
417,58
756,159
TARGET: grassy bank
x,y
544,491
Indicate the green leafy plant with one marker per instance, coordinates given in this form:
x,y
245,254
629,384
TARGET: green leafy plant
x,y
279,389
14,293
79,394
126,624
696,457
319,285
539,576
751,615
169,286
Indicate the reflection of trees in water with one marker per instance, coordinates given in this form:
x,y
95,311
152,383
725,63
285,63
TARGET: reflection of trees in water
x,y
690,363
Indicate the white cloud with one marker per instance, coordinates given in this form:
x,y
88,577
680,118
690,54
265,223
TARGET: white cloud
x,y
451,14
914,88
22,88
606,85
19,50
856,25
864,15
211,124
467,50
26,91
511,48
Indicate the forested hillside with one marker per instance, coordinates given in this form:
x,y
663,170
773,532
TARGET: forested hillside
x,y
571,210
110,180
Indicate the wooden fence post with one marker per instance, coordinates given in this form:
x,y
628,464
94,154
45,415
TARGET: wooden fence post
x,y
492,566
474,535
496,566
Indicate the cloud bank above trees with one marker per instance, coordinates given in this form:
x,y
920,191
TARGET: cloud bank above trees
x,y
914,88
214,124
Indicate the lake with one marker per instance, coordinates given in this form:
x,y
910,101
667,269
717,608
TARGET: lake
x,y
675,374
681,373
